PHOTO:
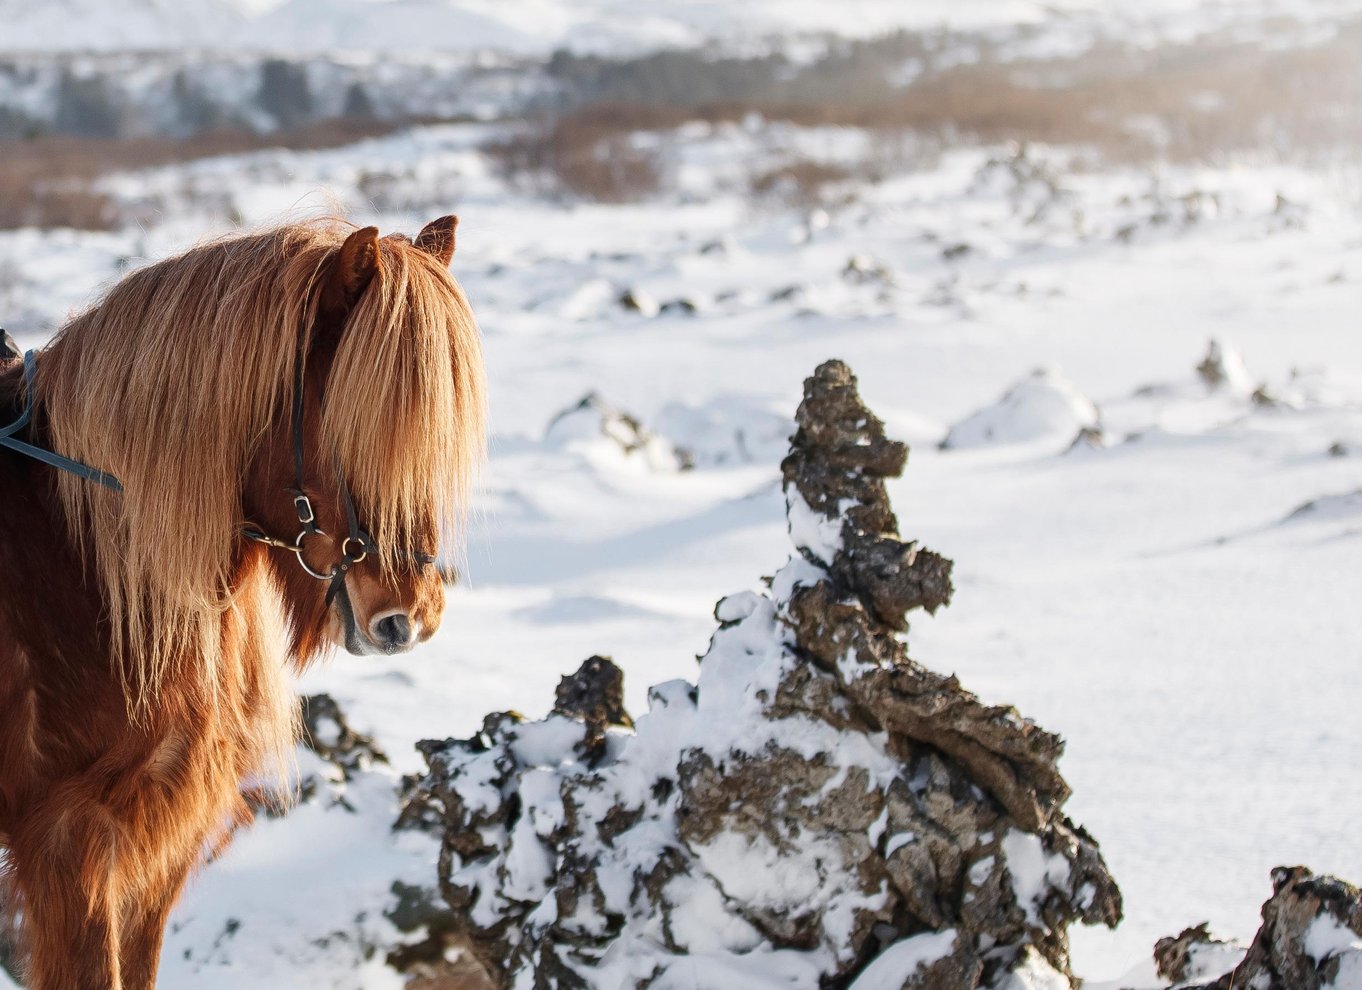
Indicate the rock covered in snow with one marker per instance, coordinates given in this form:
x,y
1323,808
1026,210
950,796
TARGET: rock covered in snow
x,y
1195,955
1044,406
816,810
727,430
593,421
639,301
331,754
838,511
327,733
1310,939
594,696
1223,368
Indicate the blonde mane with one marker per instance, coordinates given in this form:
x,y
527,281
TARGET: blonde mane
x,y
174,379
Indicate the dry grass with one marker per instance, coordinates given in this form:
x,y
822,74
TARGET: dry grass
x,y
48,181
1208,101
801,182
590,153
1203,102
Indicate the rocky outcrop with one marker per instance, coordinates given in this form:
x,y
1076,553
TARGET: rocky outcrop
x,y
1193,955
1310,939
817,810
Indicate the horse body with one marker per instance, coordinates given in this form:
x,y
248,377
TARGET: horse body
x,y
139,697
104,815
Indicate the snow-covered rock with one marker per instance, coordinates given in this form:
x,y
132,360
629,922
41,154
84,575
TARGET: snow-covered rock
x,y
1195,956
727,430
1311,939
1223,367
592,425
817,807
1045,406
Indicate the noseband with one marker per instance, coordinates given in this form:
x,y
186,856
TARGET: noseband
x,y
354,548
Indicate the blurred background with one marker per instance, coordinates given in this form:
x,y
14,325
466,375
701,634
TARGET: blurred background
x,y
1097,262
106,107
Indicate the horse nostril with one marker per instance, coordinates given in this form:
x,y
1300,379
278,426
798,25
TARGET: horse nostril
x,y
392,631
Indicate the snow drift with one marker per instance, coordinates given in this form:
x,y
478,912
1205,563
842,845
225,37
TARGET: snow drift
x,y
1043,406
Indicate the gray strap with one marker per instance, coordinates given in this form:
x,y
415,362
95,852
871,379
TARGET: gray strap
x,y
40,454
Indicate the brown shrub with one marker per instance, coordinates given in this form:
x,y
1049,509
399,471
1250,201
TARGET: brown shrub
x,y
1206,100
802,182
49,181
590,153
81,209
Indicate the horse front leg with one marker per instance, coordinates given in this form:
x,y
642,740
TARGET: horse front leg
x,y
143,930
62,867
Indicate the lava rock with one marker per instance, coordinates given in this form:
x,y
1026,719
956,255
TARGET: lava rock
x,y
817,810
1194,954
1310,939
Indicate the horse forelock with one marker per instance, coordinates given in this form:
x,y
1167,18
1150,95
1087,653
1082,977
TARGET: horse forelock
x,y
404,402
174,379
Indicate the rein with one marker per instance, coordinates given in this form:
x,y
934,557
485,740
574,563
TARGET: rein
x,y
49,457
354,548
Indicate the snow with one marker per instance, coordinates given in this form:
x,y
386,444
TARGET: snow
x,y
540,26
1144,600
1326,937
1045,406
812,531
1210,962
1326,940
1033,973
1033,872
894,967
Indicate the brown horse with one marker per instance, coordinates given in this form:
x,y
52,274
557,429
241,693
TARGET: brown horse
x,y
296,404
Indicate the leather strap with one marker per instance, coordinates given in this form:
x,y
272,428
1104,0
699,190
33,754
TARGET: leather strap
x,y
48,457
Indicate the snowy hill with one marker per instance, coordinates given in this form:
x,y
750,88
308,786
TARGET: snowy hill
x,y
539,26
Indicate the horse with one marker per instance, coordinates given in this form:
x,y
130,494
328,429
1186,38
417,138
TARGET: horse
x,y
266,438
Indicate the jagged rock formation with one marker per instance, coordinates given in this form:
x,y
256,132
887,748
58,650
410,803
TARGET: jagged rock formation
x,y
818,809
1311,939
1194,954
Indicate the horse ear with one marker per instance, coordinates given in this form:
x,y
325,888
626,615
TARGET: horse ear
x,y
437,238
355,267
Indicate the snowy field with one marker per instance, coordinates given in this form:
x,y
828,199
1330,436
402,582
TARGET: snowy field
x,y
539,26
1179,601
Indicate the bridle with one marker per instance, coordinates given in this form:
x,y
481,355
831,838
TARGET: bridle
x,y
354,548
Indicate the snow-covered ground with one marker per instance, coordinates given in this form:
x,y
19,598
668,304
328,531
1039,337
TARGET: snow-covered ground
x,y
1165,601
540,26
